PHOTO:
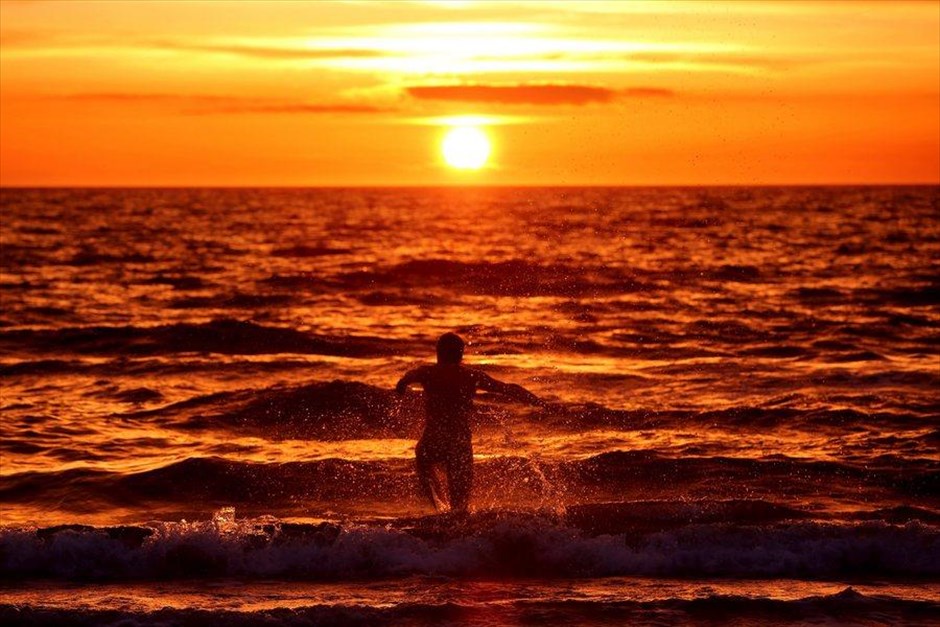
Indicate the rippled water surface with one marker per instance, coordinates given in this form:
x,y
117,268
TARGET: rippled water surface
x,y
744,383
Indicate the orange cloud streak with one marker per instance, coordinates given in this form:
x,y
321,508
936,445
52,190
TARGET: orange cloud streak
x,y
530,94
209,104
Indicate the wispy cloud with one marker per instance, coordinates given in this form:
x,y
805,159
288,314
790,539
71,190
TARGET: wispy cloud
x,y
207,104
646,92
26,42
723,60
538,94
141,97
514,94
432,48
289,53
210,104
338,108
21,38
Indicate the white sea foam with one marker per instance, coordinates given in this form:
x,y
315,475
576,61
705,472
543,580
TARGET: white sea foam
x,y
509,545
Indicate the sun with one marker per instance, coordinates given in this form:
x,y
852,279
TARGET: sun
x,y
466,148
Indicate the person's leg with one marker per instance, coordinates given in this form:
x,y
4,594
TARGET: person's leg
x,y
425,469
428,466
460,477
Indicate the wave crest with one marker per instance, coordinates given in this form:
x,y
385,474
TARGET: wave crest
x,y
495,544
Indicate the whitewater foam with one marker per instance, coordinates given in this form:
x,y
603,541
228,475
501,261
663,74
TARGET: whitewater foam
x,y
488,544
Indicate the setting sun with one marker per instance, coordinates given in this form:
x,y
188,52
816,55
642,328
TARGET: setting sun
x,y
466,148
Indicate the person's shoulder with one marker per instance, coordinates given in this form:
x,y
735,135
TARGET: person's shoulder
x,y
419,372
475,373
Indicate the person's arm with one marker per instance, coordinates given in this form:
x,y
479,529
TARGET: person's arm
x,y
412,376
509,390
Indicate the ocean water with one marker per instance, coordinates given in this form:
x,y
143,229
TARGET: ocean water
x,y
198,424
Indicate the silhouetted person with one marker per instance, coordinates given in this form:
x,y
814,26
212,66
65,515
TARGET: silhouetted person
x,y
445,444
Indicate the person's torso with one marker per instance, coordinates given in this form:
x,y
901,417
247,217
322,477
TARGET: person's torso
x,y
449,391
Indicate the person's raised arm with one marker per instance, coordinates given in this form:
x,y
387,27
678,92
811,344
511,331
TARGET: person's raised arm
x,y
510,390
412,376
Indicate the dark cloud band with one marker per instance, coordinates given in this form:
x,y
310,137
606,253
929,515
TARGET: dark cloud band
x,y
530,94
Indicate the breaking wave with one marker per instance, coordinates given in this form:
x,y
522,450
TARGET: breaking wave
x,y
487,544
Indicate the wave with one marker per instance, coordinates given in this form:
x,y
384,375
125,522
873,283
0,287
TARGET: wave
x,y
335,410
304,251
339,482
138,395
338,410
212,479
918,296
236,300
488,544
727,339
153,366
749,417
178,281
652,470
223,336
504,278
92,257
842,607
522,278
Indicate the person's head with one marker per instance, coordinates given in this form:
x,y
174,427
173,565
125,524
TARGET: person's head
x,y
449,349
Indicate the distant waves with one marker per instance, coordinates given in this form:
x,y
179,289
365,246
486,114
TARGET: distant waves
x,y
223,336
780,335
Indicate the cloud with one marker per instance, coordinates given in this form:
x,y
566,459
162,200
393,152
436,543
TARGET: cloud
x,y
272,52
40,40
646,92
132,97
16,38
372,53
531,94
722,59
300,108
205,104
514,94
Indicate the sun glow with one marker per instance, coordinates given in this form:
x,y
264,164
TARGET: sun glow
x,y
466,148
564,92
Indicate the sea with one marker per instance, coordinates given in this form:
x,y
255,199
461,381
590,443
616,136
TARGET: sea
x,y
198,423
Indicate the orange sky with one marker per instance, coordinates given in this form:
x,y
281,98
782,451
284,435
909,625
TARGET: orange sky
x,y
359,93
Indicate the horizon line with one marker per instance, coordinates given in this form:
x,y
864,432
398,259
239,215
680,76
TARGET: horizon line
x,y
469,186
